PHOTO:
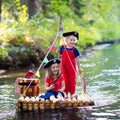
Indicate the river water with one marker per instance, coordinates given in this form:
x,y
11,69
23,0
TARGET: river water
x,y
101,68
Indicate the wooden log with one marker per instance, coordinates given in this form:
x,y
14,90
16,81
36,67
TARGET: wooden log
x,y
36,105
52,105
57,105
24,106
47,104
42,104
30,105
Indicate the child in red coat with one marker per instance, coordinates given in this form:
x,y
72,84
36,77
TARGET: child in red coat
x,y
69,60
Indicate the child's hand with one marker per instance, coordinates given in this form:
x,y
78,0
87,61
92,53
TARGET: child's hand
x,y
80,71
60,90
52,86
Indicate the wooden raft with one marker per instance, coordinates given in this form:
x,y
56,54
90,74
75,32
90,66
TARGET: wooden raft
x,y
34,103
30,100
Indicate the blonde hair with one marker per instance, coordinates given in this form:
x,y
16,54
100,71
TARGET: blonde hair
x,y
50,74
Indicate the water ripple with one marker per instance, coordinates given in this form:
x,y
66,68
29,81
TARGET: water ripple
x,y
7,114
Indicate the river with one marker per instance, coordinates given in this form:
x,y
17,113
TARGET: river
x,y
101,68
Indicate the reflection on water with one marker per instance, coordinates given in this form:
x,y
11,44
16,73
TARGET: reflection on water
x,y
102,71
66,114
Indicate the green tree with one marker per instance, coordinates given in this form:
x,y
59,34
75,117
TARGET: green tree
x,y
0,9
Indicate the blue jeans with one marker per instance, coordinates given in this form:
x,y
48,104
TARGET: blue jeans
x,y
50,93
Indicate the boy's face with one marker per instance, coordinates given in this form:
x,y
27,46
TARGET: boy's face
x,y
71,40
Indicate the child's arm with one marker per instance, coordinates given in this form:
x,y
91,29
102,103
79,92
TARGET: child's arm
x,y
48,88
78,65
58,52
63,86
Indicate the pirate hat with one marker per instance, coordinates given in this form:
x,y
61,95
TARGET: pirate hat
x,y
74,33
52,61
31,71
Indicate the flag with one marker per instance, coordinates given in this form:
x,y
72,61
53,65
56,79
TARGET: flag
x,y
52,48
37,74
82,92
61,42
45,60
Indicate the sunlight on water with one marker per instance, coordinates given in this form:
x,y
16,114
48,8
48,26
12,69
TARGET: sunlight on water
x,y
7,114
112,72
103,114
89,65
5,76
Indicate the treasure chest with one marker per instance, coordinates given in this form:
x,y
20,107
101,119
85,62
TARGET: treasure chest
x,y
28,86
27,81
32,90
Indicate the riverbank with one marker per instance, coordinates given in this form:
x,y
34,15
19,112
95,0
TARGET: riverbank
x,y
84,53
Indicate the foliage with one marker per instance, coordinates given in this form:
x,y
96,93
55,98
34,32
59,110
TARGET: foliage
x,y
96,21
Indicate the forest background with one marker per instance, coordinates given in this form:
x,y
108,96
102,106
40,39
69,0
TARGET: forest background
x,y
27,27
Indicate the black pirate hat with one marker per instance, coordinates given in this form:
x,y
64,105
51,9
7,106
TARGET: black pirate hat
x,y
52,61
74,33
